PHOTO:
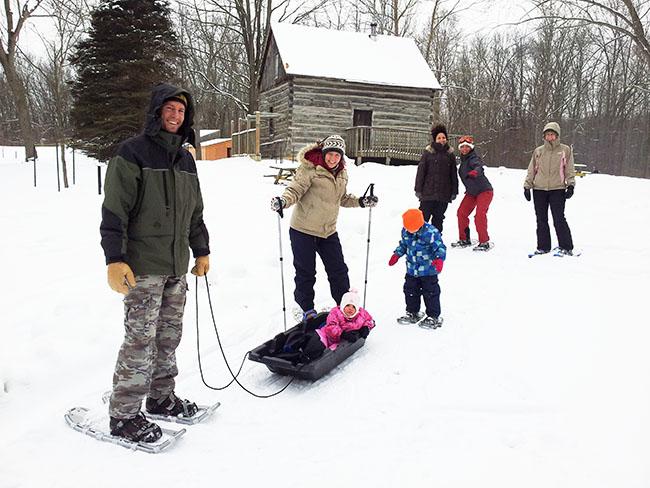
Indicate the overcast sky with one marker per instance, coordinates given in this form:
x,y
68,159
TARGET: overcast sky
x,y
476,16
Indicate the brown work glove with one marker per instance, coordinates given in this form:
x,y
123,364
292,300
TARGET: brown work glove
x,y
202,266
118,273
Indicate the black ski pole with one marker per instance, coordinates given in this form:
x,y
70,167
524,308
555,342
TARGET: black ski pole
x,y
284,307
371,188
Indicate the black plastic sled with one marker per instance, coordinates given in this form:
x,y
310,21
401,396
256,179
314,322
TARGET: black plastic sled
x,y
305,369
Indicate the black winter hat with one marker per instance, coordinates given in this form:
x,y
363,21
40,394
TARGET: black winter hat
x,y
437,129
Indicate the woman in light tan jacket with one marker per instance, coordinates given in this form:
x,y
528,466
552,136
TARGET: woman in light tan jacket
x,y
551,176
318,190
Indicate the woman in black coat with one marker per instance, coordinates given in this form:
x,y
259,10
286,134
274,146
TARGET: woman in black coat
x,y
436,182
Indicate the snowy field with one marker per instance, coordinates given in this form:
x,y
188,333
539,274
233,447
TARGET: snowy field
x,y
538,378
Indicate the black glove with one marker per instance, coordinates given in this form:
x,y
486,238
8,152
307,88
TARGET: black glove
x,y
278,203
349,335
527,194
369,202
569,192
453,197
364,331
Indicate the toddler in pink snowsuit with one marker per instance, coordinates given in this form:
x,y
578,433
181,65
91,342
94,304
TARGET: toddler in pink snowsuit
x,y
348,322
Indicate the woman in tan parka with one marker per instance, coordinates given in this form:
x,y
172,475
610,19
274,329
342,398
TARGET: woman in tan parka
x,y
551,176
318,190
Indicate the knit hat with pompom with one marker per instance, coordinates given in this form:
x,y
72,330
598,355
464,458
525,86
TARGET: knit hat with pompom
x,y
351,298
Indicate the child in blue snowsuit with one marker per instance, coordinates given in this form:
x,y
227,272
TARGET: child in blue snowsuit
x,y
425,253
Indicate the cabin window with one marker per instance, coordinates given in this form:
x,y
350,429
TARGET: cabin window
x,y
277,66
362,117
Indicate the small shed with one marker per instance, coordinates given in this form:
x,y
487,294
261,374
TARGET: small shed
x,y
375,90
216,149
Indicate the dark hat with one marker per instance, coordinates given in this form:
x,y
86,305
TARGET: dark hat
x,y
437,129
177,98
334,143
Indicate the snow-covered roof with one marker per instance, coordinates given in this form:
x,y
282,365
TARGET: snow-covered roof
x,y
215,141
352,56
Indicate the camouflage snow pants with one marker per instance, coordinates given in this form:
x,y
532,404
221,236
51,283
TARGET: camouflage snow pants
x,y
146,363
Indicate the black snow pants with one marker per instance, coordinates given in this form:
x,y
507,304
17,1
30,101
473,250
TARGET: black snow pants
x,y
556,200
426,287
305,247
434,212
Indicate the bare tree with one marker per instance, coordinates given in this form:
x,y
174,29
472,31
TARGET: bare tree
x,y
622,17
246,24
68,20
393,17
439,41
9,34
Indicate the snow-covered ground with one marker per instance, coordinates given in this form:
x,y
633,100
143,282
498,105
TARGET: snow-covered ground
x,y
538,378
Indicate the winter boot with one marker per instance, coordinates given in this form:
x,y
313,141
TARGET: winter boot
x,y
482,246
541,251
431,323
410,318
308,314
137,429
462,243
564,252
171,406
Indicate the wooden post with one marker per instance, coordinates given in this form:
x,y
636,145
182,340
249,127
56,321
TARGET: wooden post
x,y
232,133
58,177
258,153
248,127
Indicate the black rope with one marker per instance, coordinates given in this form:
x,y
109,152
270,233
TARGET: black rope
x,y
198,351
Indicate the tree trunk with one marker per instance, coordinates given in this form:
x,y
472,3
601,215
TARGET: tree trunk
x,y
19,93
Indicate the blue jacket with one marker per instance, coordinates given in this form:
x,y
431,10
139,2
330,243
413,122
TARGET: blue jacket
x,y
421,248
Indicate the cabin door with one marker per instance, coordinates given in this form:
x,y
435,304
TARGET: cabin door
x,y
363,119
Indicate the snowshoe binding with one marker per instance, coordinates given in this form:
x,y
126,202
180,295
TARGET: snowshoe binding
x,y
136,429
431,323
171,406
483,246
410,318
460,243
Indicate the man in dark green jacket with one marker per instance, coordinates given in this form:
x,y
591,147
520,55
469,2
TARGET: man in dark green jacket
x,y
152,215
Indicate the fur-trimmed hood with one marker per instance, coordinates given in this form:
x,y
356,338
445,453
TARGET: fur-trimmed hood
x,y
432,150
312,154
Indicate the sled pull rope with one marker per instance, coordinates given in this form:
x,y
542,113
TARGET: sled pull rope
x,y
371,188
214,324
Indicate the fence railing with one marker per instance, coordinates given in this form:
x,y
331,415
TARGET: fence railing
x,y
244,142
388,143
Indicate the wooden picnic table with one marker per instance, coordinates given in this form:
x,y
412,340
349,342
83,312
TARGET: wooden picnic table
x,y
285,173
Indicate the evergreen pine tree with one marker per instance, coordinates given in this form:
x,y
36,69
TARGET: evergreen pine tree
x,y
130,48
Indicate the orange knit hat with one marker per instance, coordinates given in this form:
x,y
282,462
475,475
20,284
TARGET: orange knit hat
x,y
413,219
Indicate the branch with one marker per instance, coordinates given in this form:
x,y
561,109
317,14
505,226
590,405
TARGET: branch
x,y
218,90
